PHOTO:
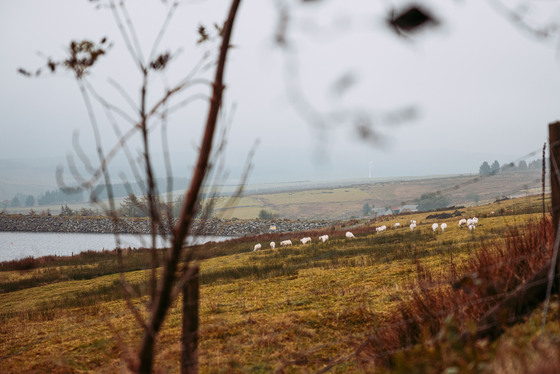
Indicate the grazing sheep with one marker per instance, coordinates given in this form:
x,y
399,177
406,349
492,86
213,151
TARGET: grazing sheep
x,y
305,240
471,227
462,222
413,221
323,238
434,227
443,226
349,235
285,243
475,221
412,226
272,245
257,247
381,229
397,225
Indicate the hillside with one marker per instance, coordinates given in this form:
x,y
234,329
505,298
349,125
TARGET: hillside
x,y
340,305
345,199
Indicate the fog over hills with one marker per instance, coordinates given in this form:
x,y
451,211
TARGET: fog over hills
x,y
35,176
477,89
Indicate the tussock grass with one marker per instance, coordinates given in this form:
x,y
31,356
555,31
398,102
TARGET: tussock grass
x,y
294,309
460,296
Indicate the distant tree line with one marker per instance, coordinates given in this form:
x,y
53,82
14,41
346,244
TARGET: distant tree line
x,y
19,200
267,215
432,201
60,197
48,198
132,206
125,189
487,169
66,211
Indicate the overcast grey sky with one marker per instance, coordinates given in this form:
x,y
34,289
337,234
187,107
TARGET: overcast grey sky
x,y
483,89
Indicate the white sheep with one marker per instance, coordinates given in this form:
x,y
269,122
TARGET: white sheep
x,y
323,238
272,245
257,247
397,225
413,221
471,227
443,226
381,229
412,226
349,235
305,240
285,243
462,222
475,221
435,226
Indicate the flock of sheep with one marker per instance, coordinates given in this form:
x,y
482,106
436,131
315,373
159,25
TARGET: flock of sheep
x,y
306,240
469,223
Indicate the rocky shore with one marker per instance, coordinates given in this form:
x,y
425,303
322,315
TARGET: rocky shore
x,y
217,227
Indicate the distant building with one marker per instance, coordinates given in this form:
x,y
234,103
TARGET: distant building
x,y
376,212
409,208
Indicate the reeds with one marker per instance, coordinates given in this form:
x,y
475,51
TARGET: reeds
x,y
459,297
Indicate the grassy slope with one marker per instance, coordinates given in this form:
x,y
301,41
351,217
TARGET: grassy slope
x,y
344,202
296,307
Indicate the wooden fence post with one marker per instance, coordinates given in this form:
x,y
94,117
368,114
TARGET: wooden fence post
x,y
554,149
531,294
189,338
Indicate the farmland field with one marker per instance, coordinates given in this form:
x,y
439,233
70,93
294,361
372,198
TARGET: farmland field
x,y
294,309
346,202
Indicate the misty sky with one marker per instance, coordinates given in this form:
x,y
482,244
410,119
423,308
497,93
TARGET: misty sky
x,y
481,88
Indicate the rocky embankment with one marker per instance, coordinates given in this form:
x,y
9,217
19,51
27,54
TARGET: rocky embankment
x,y
218,227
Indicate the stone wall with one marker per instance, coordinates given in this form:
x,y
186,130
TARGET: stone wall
x,y
219,227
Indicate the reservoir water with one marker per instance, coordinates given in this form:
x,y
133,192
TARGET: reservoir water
x,y
16,245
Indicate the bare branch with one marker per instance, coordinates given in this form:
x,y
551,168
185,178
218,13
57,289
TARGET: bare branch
x,y
163,29
81,154
187,101
132,31
124,94
170,92
168,171
135,56
163,297
125,149
517,19
98,144
74,170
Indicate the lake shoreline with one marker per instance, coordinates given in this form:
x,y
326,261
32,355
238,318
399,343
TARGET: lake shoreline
x,y
104,225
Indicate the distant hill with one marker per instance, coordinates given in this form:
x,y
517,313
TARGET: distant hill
x,y
26,176
292,198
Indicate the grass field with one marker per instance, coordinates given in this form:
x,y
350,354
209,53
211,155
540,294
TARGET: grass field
x,y
347,202
335,202
296,310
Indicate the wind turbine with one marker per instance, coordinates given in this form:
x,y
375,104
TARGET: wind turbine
x,y
370,165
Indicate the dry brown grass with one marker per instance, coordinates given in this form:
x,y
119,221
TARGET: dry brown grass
x,y
464,294
298,309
